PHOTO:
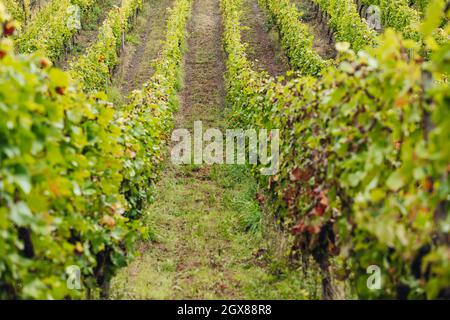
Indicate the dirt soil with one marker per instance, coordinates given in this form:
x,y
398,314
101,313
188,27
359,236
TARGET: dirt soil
x,y
263,45
321,43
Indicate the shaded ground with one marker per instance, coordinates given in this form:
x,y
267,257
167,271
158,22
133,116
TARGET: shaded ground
x,y
263,49
143,46
322,43
206,224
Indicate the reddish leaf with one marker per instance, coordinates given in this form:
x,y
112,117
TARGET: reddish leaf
x,y
8,28
260,198
60,90
313,229
45,63
298,228
295,174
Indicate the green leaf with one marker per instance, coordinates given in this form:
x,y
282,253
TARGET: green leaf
x,y
58,78
24,182
395,181
20,214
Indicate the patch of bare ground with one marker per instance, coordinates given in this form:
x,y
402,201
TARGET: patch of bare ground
x,y
35,7
202,96
323,42
263,45
142,48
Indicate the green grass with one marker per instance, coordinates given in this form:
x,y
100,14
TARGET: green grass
x,y
132,38
239,195
209,242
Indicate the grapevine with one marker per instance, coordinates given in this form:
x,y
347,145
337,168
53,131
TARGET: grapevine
x,y
95,204
295,37
346,23
74,170
95,67
355,180
49,32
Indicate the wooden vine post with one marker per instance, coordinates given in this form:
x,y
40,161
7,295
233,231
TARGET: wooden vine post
x,y
24,8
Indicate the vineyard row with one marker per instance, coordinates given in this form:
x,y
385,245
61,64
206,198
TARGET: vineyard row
x,y
364,172
77,171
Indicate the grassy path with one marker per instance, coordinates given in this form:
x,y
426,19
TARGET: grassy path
x,y
263,45
143,45
207,230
